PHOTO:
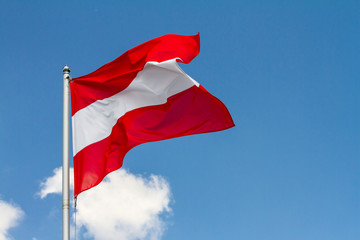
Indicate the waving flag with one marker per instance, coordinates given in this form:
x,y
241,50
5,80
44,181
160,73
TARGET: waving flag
x,y
142,96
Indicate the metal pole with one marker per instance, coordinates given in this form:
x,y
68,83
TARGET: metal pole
x,y
66,142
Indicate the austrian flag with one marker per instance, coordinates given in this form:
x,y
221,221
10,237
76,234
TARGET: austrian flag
x,y
142,96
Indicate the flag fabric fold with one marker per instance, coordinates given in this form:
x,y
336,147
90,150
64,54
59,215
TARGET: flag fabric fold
x,y
142,96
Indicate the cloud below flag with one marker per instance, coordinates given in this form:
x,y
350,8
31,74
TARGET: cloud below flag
x,y
142,96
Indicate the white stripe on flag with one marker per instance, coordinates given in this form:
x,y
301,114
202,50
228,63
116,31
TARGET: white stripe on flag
x,y
152,86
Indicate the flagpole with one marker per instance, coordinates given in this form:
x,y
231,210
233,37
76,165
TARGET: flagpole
x,y
66,143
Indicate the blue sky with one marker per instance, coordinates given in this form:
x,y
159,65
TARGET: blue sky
x,y
288,71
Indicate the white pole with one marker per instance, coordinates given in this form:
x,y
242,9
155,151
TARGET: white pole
x,y
66,143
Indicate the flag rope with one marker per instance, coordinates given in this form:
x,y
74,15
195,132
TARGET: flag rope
x,y
75,204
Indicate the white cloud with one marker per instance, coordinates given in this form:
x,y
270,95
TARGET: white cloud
x,y
123,206
53,184
9,218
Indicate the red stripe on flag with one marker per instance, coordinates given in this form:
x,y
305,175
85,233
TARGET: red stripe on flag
x,y
190,112
116,75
